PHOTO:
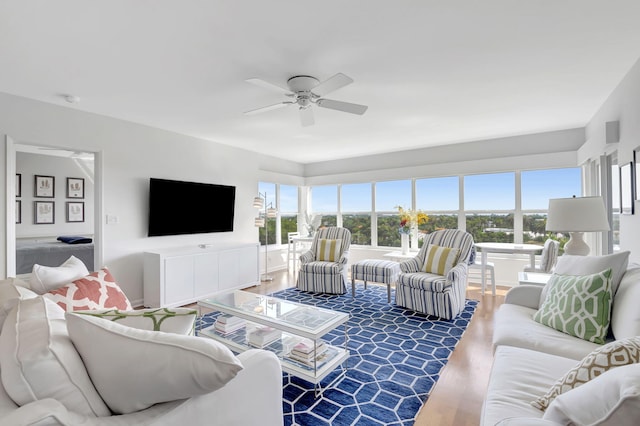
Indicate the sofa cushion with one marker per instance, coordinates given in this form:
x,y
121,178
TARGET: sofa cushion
x,y
439,260
612,398
167,366
38,360
10,295
514,326
585,265
97,290
47,278
329,250
169,320
613,354
625,315
578,305
517,377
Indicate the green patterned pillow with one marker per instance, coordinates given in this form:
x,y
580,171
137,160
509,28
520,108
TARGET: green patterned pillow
x,y
614,354
176,320
439,260
578,305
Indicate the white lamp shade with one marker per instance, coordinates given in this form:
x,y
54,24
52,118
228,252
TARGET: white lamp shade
x,y
583,214
259,222
258,202
271,212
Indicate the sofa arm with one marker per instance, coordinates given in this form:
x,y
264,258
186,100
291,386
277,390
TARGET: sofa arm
x,y
43,412
344,259
524,295
258,386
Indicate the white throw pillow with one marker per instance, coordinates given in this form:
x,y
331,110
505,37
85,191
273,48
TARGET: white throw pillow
x,y
38,360
134,369
10,295
169,320
47,278
586,265
613,398
625,315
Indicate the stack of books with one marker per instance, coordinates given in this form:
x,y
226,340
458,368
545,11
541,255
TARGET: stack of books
x,y
227,324
262,336
305,352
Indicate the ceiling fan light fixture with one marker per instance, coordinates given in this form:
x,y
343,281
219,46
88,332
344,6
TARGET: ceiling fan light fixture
x,y
305,91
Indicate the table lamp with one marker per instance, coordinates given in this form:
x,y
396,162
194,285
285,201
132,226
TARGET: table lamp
x,y
577,216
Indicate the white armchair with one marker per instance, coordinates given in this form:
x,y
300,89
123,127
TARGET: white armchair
x,y
548,258
323,268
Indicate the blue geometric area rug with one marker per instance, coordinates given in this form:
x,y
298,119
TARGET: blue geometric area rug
x,y
396,358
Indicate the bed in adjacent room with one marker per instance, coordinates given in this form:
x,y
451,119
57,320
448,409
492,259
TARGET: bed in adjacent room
x,y
51,253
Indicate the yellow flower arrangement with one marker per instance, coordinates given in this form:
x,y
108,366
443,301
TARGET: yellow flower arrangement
x,y
410,218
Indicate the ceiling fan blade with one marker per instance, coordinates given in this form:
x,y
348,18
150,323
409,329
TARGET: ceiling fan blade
x,y
306,116
342,106
334,83
267,85
268,108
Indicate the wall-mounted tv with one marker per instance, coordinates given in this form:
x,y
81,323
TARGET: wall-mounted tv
x,y
178,207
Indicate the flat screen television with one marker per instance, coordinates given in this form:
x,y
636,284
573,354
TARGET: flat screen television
x,y
178,207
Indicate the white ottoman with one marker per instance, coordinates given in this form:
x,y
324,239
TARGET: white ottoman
x,y
377,271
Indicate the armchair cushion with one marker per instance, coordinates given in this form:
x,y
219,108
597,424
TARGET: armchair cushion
x,y
439,260
38,360
167,366
329,250
578,305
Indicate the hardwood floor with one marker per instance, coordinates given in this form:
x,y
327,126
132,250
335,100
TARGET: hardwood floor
x,y
456,399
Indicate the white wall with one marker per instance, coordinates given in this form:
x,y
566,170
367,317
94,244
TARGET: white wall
x,y
622,105
132,154
29,165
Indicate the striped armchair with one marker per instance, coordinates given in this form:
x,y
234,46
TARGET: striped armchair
x,y
325,276
430,293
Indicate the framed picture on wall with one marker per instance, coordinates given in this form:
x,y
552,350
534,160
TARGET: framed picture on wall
x,y
18,211
75,188
75,211
627,190
18,185
45,186
44,212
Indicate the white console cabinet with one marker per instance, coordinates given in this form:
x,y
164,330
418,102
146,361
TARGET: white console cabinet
x,y
179,276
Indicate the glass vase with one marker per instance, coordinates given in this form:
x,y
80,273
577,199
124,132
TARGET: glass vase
x,y
404,243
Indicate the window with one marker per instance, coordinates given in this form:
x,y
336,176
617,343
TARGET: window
x,y
356,211
324,202
288,211
440,198
389,195
489,202
268,190
537,187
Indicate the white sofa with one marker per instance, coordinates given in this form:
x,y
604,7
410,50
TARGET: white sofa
x,y
252,397
530,357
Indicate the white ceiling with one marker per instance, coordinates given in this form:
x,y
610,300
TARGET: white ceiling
x,y
431,72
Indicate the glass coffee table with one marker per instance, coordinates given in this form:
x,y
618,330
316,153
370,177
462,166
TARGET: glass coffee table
x,y
292,331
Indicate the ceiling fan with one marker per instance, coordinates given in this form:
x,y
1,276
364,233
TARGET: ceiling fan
x,y
305,91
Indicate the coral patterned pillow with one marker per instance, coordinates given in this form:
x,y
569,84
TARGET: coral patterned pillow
x,y
98,290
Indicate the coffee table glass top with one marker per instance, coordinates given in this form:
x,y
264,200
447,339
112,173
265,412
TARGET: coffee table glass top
x,y
291,315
